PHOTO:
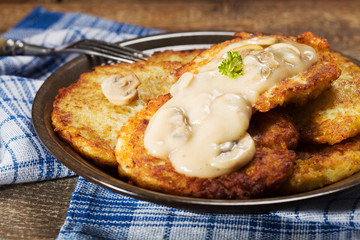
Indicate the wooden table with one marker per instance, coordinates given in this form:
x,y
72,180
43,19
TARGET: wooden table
x,y
38,210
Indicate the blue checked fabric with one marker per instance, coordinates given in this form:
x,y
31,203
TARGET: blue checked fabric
x,y
23,158
97,213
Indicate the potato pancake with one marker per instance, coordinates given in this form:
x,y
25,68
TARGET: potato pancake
x,y
159,174
84,118
335,115
320,165
332,118
296,89
325,112
274,135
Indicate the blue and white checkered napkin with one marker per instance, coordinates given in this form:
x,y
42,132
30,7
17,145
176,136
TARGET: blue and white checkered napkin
x,y
97,213
23,158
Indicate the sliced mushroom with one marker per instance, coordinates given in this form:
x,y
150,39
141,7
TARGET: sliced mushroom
x,y
179,124
167,130
283,45
268,59
290,54
226,146
121,90
268,63
247,49
267,41
241,153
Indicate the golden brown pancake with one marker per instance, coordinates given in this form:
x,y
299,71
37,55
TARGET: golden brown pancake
x,y
273,133
335,114
331,119
297,89
84,118
320,165
256,179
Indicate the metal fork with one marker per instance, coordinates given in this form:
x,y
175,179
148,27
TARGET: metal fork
x,y
112,51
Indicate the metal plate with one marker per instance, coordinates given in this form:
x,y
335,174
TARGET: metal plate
x,y
69,73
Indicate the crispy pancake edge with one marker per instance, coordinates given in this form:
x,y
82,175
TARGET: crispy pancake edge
x,y
334,115
320,165
96,139
271,166
297,89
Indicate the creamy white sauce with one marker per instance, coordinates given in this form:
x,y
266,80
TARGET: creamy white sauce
x,y
202,129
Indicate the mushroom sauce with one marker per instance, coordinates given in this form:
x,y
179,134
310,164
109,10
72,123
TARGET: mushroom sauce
x,y
202,129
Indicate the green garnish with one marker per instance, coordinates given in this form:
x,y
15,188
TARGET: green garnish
x,y
233,66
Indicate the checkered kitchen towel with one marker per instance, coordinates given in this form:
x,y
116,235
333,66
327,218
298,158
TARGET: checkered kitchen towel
x,y
97,213
23,158
101,214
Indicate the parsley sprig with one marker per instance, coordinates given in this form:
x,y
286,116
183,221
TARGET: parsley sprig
x,y
233,66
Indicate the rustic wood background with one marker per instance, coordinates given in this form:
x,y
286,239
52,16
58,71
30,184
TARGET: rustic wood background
x,y
38,210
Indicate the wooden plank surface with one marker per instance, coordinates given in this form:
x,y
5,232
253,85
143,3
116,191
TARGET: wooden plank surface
x,y
338,21
34,210
37,210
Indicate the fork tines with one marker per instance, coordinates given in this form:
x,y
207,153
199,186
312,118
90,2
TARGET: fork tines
x,y
109,50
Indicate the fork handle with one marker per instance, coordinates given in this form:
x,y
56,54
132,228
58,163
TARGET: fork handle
x,y
11,47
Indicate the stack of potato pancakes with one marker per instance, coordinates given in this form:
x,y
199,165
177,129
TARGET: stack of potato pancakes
x,y
305,128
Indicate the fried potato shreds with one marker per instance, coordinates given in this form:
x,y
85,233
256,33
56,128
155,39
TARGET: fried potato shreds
x,y
320,165
84,118
297,89
273,133
176,56
335,114
326,113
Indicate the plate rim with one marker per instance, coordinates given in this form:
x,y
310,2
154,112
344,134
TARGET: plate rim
x,y
56,146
